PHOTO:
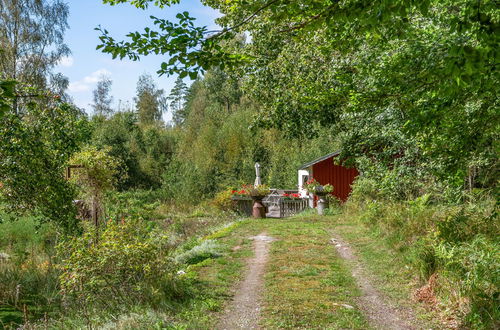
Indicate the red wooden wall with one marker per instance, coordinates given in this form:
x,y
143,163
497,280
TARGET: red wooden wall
x,y
339,176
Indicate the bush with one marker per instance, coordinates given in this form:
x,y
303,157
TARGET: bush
x,y
222,200
474,269
27,276
135,204
458,243
124,263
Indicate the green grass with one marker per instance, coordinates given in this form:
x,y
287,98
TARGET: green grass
x,y
307,283
214,279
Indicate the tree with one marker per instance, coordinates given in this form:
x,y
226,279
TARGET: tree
x,y
177,98
223,88
150,101
102,97
98,174
32,39
195,48
424,72
34,150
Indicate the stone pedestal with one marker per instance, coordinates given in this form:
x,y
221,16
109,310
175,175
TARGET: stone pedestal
x,y
310,200
322,204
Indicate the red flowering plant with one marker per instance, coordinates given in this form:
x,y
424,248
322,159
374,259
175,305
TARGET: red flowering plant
x,y
293,196
314,187
252,191
311,185
239,193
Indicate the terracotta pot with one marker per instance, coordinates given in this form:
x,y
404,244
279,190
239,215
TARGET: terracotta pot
x,y
259,210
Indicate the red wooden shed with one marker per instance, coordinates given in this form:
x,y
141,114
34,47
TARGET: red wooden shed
x,y
325,171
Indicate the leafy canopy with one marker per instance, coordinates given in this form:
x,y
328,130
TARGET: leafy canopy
x,y
34,150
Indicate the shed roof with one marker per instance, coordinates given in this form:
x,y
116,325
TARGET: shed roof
x,y
320,159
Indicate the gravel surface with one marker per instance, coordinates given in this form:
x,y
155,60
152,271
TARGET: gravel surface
x,y
379,312
244,311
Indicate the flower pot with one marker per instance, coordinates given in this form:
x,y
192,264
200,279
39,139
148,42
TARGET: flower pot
x,y
322,204
320,193
259,210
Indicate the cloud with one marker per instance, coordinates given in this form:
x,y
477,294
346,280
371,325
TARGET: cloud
x,y
88,82
66,61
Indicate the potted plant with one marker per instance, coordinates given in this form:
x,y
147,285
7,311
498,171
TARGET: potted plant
x,y
314,187
257,194
293,196
310,187
321,192
239,194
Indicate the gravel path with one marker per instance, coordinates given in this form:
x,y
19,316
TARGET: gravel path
x,y
373,303
244,311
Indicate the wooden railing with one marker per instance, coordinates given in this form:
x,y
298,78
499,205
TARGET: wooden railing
x,y
243,205
289,207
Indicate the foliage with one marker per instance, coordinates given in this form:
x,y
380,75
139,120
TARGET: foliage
x,y
134,204
32,40
150,101
222,200
27,275
411,115
291,196
98,172
474,266
190,52
311,185
34,149
177,98
258,190
403,91
102,97
459,243
144,151
125,264
328,188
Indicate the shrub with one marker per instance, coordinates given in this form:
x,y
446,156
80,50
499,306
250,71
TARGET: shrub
x,y
135,204
98,173
27,276
458,243
33,283
222,200
124,263
474,269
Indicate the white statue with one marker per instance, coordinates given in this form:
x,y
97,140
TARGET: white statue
x,y
257,175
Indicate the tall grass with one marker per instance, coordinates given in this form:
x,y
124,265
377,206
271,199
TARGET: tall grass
x,y
458,243
28,279
118,269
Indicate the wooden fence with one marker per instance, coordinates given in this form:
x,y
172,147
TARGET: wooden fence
x,y
289,207
243,205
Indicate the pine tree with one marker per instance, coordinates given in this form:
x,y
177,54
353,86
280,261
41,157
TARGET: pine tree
x,y
177,103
